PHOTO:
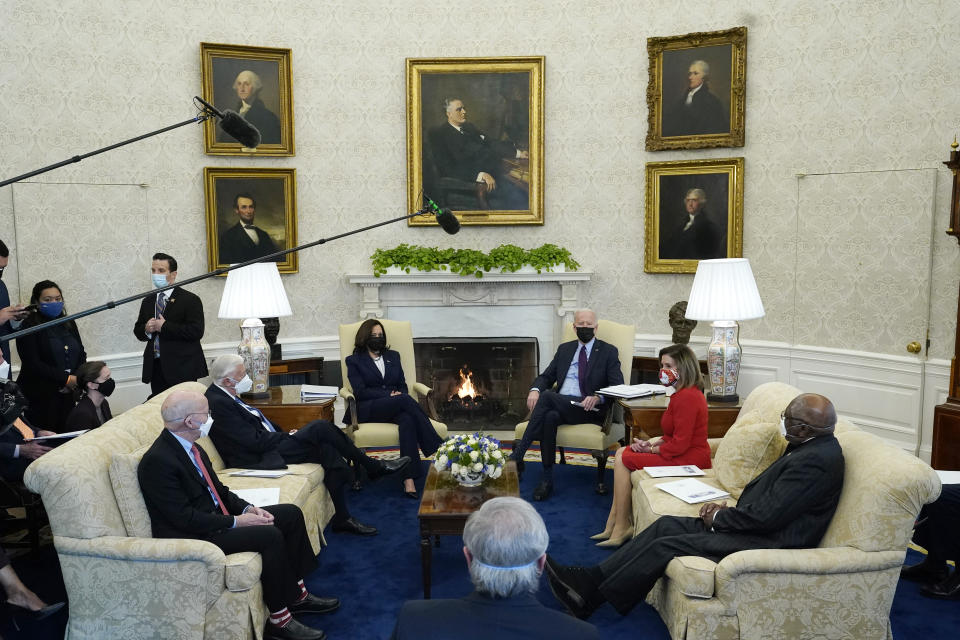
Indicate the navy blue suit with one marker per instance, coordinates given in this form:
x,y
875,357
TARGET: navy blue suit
x,y
479,617
375,404
553,409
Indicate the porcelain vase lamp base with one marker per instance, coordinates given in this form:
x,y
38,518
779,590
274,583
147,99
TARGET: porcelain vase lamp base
x,y
255,351
723,361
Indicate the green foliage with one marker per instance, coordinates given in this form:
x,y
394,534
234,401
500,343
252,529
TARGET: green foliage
x,y
507,257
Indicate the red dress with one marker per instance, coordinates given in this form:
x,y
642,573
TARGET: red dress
x,y
684,427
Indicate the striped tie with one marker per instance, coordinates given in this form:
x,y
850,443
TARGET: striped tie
x,y
160,307
263,419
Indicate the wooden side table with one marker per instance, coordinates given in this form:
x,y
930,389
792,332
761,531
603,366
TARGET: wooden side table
x,y
642,416
311,370
287,410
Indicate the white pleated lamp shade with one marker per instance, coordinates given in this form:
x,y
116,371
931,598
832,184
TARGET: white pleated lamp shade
x,y
254,291
724,290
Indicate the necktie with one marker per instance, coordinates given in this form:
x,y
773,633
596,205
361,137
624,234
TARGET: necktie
x,y
582,371
263,419
206,476
160,307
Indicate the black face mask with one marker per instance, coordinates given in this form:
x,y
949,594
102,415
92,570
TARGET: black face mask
x,y
376,343
584,334
107,386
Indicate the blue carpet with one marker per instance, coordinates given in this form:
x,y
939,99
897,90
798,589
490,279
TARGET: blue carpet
x,y
373,576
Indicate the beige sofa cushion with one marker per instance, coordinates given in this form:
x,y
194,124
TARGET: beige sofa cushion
x,y
126,490
694,576
751,445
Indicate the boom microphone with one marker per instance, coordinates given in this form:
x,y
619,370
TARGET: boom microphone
x,y
234,125
445,217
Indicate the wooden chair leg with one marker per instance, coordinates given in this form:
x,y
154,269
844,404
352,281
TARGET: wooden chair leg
x,y
563,455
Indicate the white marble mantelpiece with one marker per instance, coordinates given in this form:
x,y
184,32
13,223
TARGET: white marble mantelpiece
x,y
498,304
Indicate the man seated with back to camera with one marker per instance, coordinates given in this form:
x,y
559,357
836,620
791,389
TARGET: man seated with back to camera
x,y
788,506
16,449
505,544
247,439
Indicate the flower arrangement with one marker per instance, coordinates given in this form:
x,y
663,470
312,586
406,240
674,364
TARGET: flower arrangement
x,y
470,458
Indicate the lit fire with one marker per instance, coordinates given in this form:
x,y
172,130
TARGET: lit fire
x,y
466,388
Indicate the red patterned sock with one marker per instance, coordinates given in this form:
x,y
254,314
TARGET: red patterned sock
x,y
281,618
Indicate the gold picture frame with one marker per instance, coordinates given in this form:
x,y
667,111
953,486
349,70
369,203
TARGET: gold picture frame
x,y
230,193
255,82
488,168
694,211
696,95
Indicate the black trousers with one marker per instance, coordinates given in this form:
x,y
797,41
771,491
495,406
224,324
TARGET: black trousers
x,y
158,381
322,442
283,546
415,429
938,530
631,571
552,410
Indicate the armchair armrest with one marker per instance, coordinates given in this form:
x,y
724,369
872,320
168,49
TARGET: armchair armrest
x,y
351,401
426,398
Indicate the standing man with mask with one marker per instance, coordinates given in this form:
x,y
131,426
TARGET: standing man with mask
x,y
171,323
579,368
8,312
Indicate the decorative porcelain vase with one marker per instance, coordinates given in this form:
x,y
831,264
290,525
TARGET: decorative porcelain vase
x,y
469,479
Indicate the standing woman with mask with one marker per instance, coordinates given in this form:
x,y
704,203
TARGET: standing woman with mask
x,y
376,376
49,360
95,383
684,440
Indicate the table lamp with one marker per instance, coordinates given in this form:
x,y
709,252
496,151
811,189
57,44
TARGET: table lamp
x,y
251,293
724,292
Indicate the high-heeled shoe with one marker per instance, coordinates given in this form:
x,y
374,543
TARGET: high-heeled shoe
x,y
38,614
603,535
413,495
619,541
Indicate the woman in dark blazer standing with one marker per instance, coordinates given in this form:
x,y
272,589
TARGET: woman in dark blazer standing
x,y
95,381
376,375
49,360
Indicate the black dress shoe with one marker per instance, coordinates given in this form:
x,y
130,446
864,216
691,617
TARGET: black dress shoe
x,y
39,614
926,572
293,630
413,495
543,490
386,467
354,526
518,458
949,589
574,587
315,604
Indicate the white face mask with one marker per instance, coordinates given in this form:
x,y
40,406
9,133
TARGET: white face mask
x,y
243,385
205,427
5,370
783,428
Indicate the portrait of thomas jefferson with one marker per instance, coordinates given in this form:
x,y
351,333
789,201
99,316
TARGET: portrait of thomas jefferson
x,y
693,227
696,94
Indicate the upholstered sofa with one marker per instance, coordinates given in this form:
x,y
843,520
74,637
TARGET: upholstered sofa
x,y
842,589
123,583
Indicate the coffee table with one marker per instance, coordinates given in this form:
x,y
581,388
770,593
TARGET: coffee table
x,y
446,505
287,410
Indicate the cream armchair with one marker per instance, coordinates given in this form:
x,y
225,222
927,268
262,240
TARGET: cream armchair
x,y
598,439
842,589
385,434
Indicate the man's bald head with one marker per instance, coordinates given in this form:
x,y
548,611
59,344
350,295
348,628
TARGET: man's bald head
x,y
180,405
814,410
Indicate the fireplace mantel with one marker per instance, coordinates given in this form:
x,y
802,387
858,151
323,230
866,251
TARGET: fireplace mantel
x,y
536,304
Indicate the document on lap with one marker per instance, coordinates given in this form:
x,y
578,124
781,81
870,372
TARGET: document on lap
x,y
259,473
693,491
674,471
60,436
632,390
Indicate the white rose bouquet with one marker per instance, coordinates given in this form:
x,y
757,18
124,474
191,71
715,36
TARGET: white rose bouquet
x,y
470,458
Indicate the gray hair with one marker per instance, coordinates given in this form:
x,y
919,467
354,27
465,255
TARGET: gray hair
x,y
254,80
223,366
506,537
699,194
704,67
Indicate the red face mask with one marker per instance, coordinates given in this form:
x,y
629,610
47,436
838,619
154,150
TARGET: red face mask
x,y
668,377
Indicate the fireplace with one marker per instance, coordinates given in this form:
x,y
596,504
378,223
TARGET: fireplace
x,y
479,384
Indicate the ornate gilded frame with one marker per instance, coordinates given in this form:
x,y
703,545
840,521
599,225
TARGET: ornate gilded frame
x,y
275,194
220,64
680,51
426,74
668,179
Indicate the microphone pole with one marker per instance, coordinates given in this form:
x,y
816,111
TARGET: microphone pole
x,y
267,258
198,118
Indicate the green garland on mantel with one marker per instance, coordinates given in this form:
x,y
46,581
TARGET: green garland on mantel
x,y
466,262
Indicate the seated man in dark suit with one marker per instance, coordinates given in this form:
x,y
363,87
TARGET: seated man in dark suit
x,y
788,506
16,449
579,368
938,531
185,499
505,544
245,438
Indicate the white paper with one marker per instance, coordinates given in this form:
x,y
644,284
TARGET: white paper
x,y
667,472
58,436
693,491
260,473
948,477
317,390
259,497
632,390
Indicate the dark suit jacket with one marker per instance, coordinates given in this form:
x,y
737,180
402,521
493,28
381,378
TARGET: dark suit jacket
x,y
464,155
704,115
367,382
240,437
266,122
42,375
84,415
479,617
603,368
176,495
792,502
236,245
180,352
5,328
701,241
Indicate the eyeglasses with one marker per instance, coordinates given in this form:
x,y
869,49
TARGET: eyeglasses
x,y
799,422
